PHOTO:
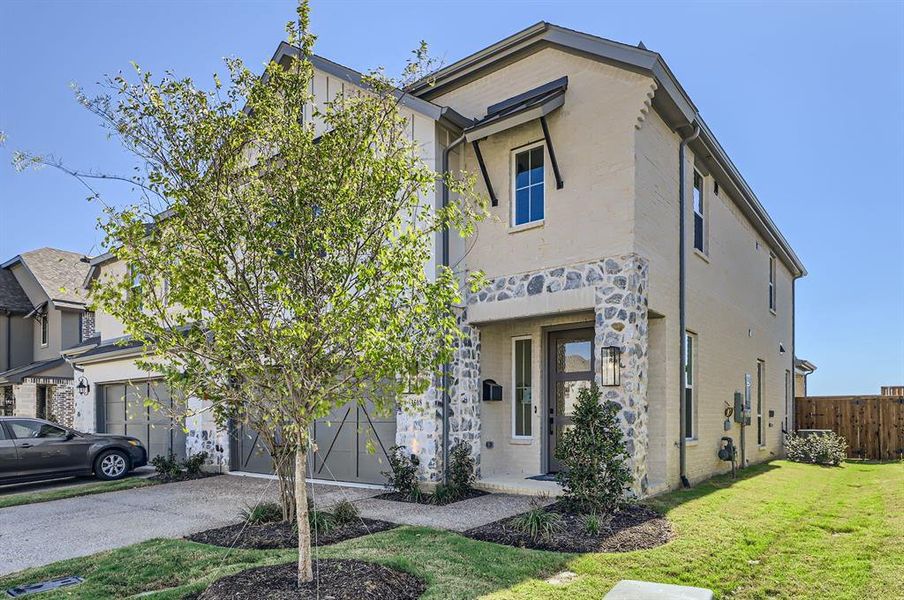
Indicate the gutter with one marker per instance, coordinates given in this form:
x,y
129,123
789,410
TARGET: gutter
x,y
682,320
447,367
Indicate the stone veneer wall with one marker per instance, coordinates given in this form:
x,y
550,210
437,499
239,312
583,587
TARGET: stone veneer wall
x,y
204,435
61,404
620,285
87,324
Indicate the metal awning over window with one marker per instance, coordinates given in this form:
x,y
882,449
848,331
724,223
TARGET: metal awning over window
x,y
518,110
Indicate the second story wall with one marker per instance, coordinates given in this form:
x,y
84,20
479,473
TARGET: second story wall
x,y
592,216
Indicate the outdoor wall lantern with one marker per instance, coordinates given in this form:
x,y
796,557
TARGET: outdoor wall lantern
x,y
611,366
83,387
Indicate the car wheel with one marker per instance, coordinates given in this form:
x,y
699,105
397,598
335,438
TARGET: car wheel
x,y
111,464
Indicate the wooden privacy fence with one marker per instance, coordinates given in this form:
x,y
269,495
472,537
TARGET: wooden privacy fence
x,y
872,425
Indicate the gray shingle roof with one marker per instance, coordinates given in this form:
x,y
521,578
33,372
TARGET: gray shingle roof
x,y
12,296
60,273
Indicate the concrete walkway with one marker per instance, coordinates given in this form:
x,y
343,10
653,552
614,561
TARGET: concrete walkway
x,y
38,534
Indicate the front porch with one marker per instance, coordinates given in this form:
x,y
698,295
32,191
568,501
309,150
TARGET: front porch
x,y
542,485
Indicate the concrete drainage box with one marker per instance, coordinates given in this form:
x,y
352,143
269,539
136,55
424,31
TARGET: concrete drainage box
x,y
44,586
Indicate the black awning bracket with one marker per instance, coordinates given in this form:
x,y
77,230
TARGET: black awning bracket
x,y
552,154
483,170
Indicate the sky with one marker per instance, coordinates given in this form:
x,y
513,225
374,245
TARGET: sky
x,y
807,98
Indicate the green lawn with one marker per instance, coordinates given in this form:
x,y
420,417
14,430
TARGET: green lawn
x,y
784,530
73,491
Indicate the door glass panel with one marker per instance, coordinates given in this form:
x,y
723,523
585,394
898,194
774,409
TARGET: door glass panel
x,y
567,396
573,356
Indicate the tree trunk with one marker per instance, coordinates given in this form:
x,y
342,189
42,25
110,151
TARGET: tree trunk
x,y
305,569
285,472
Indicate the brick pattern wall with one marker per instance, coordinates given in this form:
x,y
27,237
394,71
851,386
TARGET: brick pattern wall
x,y
7,401
61,404
87,324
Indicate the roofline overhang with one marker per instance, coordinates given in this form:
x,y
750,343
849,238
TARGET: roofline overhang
x,y
406,99
671,101
14,260
128,352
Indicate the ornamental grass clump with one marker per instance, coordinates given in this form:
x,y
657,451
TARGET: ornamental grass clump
x,y
595,475
824,448
538,523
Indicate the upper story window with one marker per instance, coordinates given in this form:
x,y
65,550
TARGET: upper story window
x,y
772,282
699,213
529,204
44,332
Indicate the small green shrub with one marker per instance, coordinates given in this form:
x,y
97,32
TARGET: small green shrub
x,y
194,463
167,466
595,474
320,521
594,523
444,494
461,470
402,476
826,448
345,513
266,512
538,522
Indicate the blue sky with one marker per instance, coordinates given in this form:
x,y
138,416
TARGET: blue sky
x,y
807,98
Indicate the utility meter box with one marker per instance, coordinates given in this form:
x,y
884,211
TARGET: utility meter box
x,y
741,414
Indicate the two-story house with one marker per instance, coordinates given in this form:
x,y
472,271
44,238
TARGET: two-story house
x,y
42,313
624,248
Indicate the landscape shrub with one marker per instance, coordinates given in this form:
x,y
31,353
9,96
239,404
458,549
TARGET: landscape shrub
x,y
193,464
538,522
461,470
595,474
167,466
266,512
402,476
345,513
826,448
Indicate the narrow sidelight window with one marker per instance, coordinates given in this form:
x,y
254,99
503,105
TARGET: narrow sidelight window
x,y
44,336
521,408
698,212
529,195
690,353
760,393
771,282
789,402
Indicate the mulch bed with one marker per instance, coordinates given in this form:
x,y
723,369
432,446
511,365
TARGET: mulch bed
x,y
429,498
334,580
636,527
270,536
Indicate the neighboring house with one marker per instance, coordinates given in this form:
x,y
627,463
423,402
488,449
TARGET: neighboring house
x,y
802,369
892,390
587,149
42,313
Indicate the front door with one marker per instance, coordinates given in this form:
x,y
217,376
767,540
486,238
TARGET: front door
x,y
570,368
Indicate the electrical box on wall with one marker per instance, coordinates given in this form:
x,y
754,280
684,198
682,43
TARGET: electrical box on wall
x,y
741,414
492,391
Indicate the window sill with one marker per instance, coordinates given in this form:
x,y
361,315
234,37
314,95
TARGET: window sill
x,y
701,255
526,226
772,310
521,441
691,441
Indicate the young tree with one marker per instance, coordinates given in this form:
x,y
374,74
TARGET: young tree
x,y
276,273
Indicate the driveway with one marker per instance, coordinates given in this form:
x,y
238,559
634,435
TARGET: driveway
x,y
38,534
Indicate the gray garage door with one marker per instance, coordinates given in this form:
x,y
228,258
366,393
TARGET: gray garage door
x,y
342,440
125,413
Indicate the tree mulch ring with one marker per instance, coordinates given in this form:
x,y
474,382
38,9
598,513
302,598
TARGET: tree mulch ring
x,y
635,527
334,579
429,498
270,536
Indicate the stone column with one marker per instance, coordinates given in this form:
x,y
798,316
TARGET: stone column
x,y
418,430
464,413
621,321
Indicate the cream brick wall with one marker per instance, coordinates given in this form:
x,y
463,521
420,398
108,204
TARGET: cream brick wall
x,y
726,297
592,134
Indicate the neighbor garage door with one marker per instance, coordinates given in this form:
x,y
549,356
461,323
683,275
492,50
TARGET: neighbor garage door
x,y
126,413
342,440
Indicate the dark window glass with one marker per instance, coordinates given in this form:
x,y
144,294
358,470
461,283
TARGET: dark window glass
x,y
698,211
522,388
26,429
688,412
